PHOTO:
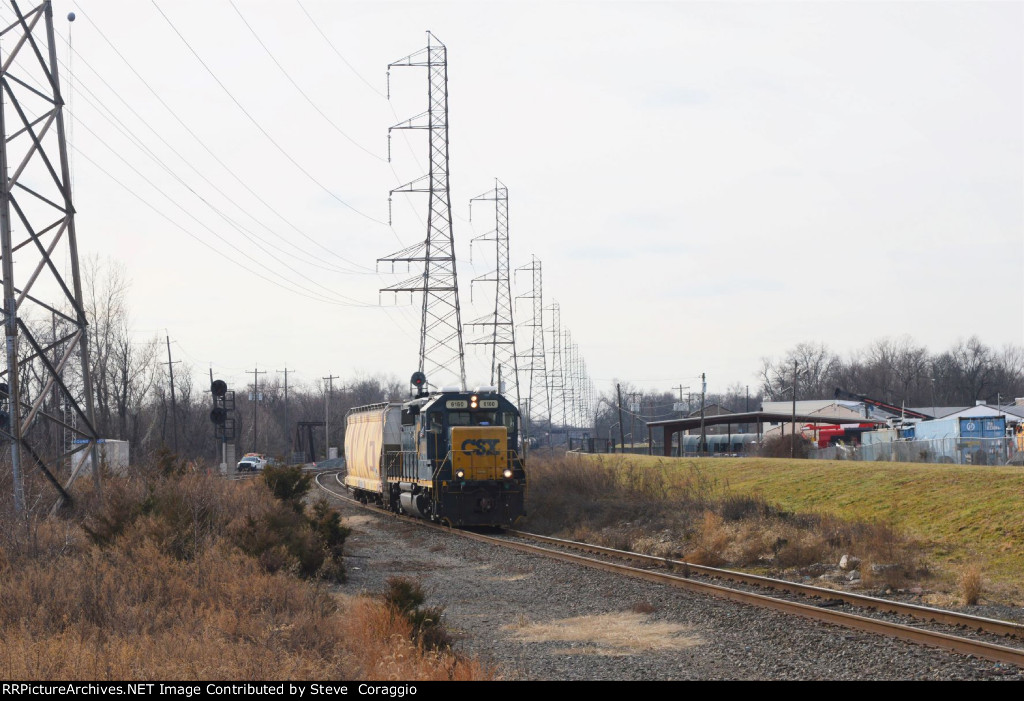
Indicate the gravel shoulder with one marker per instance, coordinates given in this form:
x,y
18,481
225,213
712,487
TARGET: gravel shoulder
x,y
540,619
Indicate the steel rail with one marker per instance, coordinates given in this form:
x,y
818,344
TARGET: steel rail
x,y
924,613
935,639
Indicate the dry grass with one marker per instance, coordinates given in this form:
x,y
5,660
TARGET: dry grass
x,y
688,513
612,634
970,584
155,585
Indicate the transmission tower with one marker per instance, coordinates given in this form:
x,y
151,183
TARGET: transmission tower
x,y
503,335
556,377
534,363
569,373
34,161
578,413
441,324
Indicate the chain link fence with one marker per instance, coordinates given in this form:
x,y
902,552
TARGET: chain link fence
x,y
954,451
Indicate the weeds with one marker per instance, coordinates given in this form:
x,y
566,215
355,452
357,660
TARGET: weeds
x,y
188,577
970,584
630,505
406,598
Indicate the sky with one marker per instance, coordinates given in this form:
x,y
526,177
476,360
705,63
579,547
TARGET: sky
x,y
705,184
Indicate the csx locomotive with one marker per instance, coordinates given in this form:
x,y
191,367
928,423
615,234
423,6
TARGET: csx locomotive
x,y
449,456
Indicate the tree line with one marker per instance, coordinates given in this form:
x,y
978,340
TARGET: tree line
x,y
900,372
131,388
132,398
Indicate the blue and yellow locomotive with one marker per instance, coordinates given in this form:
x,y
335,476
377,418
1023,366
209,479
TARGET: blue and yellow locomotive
x,y
449,456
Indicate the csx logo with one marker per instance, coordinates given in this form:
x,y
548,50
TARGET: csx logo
x,y
481,446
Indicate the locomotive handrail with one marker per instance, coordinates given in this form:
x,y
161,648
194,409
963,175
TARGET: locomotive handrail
x,y
440,464
403,472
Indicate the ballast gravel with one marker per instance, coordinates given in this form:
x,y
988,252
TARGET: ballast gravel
x,y
535,618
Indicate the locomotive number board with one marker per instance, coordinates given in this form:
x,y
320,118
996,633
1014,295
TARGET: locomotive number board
x,y
457,404
488,403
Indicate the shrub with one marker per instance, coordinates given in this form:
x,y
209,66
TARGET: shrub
x,y
742,506
970,584
288,483
326,523
783,446
406,597
168,463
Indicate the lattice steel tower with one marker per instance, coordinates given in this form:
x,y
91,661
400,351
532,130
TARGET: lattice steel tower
x,y
441,348
35,184
556,376
569,373
502,336
534,362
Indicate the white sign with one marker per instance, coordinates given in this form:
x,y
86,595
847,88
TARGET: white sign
x,y
680,406
488,403
457,404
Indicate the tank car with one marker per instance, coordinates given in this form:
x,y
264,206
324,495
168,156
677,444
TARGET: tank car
x,y
450,456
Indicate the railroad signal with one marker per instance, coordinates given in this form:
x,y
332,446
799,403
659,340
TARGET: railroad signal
x,y
223,404
419,381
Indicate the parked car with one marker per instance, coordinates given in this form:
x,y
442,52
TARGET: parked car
x,y
251,463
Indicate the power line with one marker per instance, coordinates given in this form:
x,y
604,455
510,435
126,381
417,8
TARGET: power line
x,y
138,142
249,235
262,200
297,87
200,240
335,49
260,126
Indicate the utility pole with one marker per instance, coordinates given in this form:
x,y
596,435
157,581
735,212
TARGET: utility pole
x,y
441,348
622,436
681,388
633,406
256,372
327,415
174,403
703,392
792,438
287,427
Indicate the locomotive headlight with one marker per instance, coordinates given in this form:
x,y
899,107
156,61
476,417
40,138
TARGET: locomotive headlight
x,y
460,474
473,402
507,473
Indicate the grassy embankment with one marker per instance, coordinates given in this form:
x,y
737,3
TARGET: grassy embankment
x,y
190,577
925,523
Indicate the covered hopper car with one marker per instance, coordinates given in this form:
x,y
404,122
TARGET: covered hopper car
x,y
450,456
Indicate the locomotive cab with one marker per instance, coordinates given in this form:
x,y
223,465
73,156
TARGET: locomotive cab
x,y
460,461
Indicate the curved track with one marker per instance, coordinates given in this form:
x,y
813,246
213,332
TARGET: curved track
x,y
682,573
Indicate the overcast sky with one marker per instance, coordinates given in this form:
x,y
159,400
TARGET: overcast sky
x,y
706,184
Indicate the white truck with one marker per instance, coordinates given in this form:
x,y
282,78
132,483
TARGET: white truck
x,y
252,462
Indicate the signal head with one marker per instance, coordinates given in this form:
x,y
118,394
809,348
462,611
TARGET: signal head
x,y
219,388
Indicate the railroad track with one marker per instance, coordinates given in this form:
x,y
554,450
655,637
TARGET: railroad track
x,y
737,586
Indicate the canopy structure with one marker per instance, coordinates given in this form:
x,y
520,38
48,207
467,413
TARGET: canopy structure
x,y
674,426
